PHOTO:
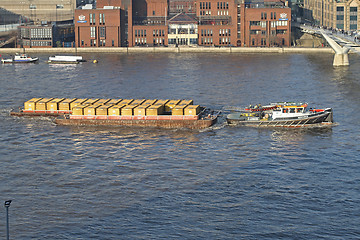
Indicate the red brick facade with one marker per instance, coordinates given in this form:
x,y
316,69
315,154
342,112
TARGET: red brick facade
x,y
265,27
219,23
98,28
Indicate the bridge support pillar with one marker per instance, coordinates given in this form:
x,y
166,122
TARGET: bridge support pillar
x,y
341,59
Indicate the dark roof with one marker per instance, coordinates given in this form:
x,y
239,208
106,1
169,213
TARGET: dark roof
x,y
182,18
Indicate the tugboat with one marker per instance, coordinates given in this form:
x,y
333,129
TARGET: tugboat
x,y
282,114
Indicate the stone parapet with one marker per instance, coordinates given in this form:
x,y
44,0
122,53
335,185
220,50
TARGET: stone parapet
x,y
166,50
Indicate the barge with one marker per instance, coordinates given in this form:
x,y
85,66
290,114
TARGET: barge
x,y
65,59
121,112
283,114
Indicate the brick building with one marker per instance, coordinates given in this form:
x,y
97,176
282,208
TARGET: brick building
x,y
120,23
149,23
264,24
106,26
217,22
182,6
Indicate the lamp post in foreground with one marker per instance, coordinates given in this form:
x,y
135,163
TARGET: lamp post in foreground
x,y
7,205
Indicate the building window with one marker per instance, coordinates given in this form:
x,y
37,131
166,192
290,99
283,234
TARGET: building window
x,y
92,32
92,18
101,18
102,32
153,13
339,17
339,9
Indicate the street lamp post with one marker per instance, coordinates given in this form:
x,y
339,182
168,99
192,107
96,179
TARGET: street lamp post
x,y
7,205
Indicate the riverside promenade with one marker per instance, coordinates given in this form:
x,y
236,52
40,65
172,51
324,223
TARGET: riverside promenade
x,y
166,50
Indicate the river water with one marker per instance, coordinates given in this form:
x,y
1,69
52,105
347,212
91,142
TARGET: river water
x,y
221,183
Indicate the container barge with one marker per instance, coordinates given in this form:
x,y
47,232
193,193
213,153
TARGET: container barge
x,y
123,112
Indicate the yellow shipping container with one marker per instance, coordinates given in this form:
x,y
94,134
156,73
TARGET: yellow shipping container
x,y
114,101
90,109
192,110
53,105
125,101
154,110
178,110
186,102
78,109
128,110
91,101
149,102
65,105
103,101
41,105
171,104
79,101
161,102
103,109
140,110
137,101
31,104
114,110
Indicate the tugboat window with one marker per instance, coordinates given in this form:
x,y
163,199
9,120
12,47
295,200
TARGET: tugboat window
x,y
292,110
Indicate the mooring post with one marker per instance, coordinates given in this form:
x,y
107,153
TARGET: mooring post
x,y
7,205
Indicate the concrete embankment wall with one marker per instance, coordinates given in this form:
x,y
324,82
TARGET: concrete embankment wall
x,y
165,50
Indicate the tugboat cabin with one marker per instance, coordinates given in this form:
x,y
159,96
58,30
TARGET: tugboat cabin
x,y
289,110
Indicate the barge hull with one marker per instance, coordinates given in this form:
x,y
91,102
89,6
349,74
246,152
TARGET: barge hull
x,y
191,124
39,113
